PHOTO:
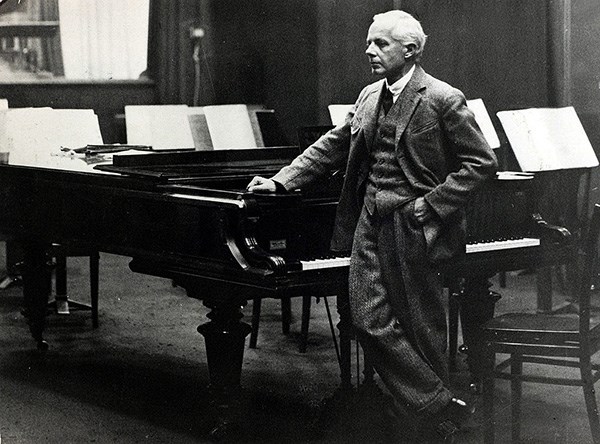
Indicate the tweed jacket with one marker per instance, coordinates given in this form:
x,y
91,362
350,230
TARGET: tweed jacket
x,y
439,147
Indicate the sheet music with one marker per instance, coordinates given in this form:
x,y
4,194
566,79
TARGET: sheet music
x,y
76,128
338,113
199,127
29,130
546,139
230,126
162,127
484,121
35,133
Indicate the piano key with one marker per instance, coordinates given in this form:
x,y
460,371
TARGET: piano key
x,y
344,261
503,245
314,264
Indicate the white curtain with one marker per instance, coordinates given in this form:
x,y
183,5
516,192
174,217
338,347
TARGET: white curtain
x,y
104,39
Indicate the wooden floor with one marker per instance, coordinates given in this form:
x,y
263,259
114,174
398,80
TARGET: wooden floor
x,y
141,376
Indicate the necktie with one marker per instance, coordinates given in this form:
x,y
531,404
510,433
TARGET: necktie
x,y
387,101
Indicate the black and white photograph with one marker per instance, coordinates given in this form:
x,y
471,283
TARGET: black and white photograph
x,y
299,221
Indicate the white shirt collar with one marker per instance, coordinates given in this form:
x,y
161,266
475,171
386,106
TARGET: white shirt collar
x,y
397,87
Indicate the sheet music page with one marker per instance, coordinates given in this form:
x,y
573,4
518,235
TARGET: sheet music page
x,y
338,113
76,128
36,133
199,127
252,109
29,133
3,131
484,121
230,126
545,139
162,127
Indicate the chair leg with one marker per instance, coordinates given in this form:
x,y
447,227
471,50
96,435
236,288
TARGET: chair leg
x,y
516,386
255,321
306,302
61,301
489,361
94,286
286,315
589,394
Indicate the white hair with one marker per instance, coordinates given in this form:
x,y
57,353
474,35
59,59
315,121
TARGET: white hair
x,y
405,29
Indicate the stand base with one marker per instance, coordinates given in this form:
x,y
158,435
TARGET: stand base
x,y
63,305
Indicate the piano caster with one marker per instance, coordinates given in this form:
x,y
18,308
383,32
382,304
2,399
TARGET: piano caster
x,y
221,430
224,420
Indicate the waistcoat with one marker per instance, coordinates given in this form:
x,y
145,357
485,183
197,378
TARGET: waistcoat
x,y
387,185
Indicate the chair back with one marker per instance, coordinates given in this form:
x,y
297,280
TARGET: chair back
x,y
589,269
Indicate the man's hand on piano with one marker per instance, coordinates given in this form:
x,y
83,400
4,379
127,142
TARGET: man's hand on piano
x,y
261,185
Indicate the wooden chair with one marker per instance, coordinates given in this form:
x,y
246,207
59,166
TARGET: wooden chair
x,y
560,197
306,136
62,303
286,320
561,340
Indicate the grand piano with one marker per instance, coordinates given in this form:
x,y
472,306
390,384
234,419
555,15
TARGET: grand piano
x,y
186,216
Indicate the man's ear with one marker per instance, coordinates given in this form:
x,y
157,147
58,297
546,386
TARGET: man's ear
x,y
411,50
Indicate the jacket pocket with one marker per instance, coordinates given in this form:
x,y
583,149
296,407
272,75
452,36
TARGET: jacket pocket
x,y
409,234
424,127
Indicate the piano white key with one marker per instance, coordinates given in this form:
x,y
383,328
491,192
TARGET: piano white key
x,y
315,264
344,261
503,245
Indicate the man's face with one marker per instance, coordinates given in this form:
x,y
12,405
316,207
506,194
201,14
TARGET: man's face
x,y
386,55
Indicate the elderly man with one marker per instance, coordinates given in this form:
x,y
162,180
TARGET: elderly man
x,y
412,154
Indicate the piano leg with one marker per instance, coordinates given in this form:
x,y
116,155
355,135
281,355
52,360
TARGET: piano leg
x,y
36,289
225,338
477,305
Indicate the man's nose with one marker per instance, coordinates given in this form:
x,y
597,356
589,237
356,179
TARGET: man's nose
x,y
370,51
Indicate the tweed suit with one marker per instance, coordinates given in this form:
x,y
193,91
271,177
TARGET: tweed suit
x,y
395,289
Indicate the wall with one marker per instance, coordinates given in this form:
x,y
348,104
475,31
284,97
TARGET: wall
x,y
298,56
585,74
585,64
263,51
343,66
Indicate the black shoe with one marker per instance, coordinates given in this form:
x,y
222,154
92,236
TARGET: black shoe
x,y
447,422
457,411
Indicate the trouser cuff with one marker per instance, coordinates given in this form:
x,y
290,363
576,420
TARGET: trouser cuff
x,y
436,404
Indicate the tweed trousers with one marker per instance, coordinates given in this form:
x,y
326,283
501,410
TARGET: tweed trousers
x,y
397,309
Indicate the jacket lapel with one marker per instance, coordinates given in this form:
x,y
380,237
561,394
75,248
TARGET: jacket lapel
x,y
409,99
370,119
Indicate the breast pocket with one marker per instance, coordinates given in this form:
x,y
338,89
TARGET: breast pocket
x,y
424,127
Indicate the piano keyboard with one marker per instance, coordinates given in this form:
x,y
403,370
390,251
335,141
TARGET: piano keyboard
x,y
344,261
503,244
314,264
